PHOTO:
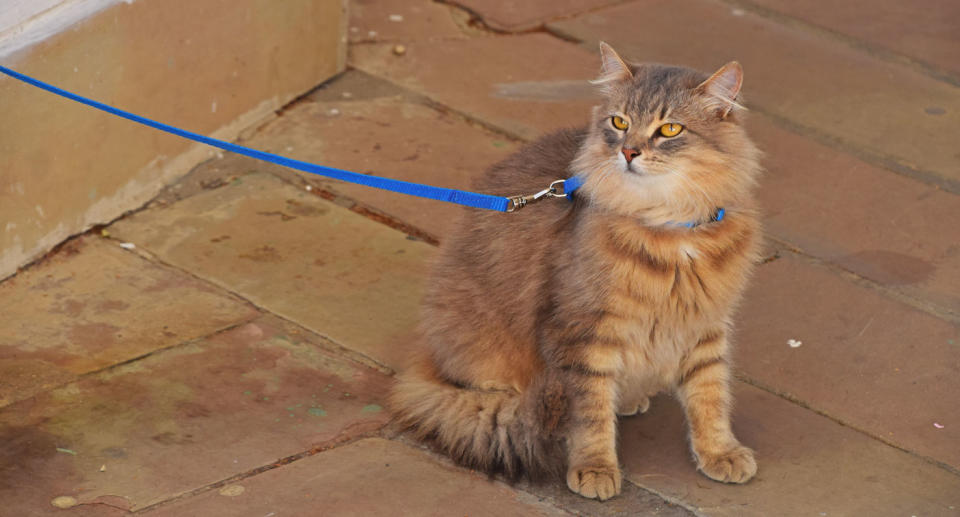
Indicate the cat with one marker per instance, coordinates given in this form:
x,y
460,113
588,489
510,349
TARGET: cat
x,y
541,326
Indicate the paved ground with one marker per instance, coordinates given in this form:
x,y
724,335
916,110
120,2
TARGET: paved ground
x,y
234,360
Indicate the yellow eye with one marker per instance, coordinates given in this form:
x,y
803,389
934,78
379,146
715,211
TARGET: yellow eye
x,y
619,123
671,130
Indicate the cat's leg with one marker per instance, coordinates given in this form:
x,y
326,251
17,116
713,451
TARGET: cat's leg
x,y
592,468
704,390
631,405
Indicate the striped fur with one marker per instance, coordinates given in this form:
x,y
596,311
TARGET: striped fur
x,y
539,328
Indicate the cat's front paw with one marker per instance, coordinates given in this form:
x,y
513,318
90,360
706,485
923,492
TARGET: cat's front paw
x,y
595,482
640,405
734,466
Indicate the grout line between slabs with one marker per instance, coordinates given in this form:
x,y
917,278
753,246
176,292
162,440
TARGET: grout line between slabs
x,y
341,440
537,26
887,55
799,402
885,162
326,342
527,486
919,304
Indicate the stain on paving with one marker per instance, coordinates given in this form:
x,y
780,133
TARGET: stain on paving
x,y
889,267
91,305
184,418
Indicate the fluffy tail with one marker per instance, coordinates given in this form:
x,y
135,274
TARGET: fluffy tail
x,y
490,430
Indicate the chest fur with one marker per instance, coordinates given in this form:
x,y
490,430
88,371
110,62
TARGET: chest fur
x,y
667,289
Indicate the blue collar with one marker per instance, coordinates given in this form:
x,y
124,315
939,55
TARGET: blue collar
x,y
571,184
717,216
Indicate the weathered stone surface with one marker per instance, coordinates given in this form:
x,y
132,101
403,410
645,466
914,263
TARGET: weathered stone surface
x,y
382,131
526,85
808,465
631,501
400,21
345,276
848,95
866,360
924,30
92,305
517,15
372,477
184,418
893,230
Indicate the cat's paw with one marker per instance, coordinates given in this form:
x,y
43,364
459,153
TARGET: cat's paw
x,y
639,406
734,466
595,482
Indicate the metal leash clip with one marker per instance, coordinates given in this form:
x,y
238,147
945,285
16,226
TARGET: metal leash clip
x,y
554,190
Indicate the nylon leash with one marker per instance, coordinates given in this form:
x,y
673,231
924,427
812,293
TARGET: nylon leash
x,y
460,197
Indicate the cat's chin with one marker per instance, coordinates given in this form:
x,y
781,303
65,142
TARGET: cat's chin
x,y
641,170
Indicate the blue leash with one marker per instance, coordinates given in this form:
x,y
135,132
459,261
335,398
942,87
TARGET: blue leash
x,y
460,197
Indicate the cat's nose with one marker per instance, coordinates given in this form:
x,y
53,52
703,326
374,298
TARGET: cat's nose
x,y
630,154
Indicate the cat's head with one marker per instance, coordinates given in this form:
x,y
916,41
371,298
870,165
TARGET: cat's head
x,y
667,143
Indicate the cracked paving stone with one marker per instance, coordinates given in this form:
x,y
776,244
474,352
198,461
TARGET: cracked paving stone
x,y
513,15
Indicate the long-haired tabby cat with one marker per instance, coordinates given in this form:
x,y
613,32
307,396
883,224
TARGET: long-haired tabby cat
x,y
540,327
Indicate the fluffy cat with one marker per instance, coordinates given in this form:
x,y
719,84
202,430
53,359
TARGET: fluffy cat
x,y
540,327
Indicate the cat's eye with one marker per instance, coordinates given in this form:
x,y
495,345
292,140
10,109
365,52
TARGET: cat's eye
x,y
619,123
671,130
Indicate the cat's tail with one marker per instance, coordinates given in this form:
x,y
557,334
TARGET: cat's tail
x,y
496,431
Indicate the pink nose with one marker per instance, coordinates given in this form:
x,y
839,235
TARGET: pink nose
x,y
630,154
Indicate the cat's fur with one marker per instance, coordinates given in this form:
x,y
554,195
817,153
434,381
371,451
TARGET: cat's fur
x,y
540,327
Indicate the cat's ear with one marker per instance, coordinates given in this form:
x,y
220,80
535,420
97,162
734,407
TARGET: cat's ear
x,y
722,88
612,68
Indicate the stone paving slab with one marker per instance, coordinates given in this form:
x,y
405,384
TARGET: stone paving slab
x,y
631,502
400,21
382,131
925,30
519,15
893,230
865,360
851,97
526,85
338,273
183,418
371,477
93,304
808,465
